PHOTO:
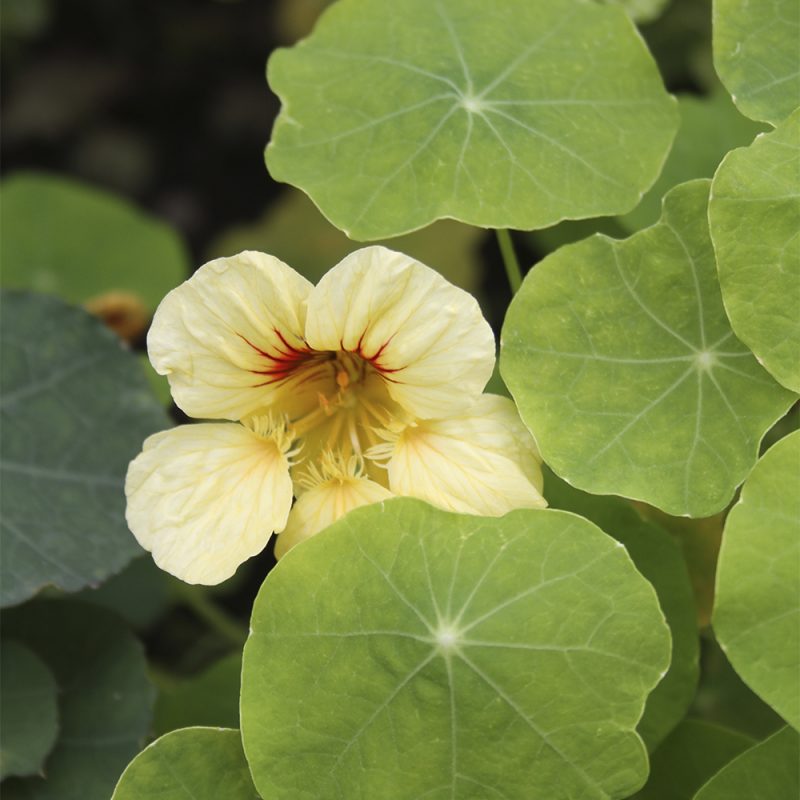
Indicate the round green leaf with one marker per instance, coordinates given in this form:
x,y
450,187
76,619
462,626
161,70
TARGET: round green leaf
x,y
754,214
105,698
189,764
28,711
688,757
75,410
395,115
659,558
625,368
64,238
410,652
710,127
756,55
757,608
767,771
210,698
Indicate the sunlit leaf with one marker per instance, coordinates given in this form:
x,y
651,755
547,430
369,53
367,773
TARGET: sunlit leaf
x,y
754,214
389,650
65,238
757,610
28,711
688,757
658,557
105,698
395,115
189,764
767,771
75,410
756,55
625,368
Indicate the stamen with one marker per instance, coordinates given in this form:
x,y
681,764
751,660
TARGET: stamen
x,y
331,467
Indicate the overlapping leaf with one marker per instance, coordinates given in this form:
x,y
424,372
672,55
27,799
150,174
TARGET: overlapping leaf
x,y
28,711
189,764
767,771
754,214
388,650
757,609
398,114
75,410
64,238
658,557
757,57
624,366
105,698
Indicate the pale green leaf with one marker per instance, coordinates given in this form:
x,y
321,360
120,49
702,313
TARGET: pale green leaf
x,y
189,764
28,711
395,115
767,771
754,213
408,652
757,609
105,698
757,55
625,368
65,238
75,410
659,558
710,127
688,757
210,698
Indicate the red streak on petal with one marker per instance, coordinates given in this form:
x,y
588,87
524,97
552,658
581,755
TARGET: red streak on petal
x,y
283,361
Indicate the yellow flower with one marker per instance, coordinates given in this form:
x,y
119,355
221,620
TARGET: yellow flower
x,y
361,388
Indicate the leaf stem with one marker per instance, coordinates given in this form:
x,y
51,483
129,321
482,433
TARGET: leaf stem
x,y
509,259
215,617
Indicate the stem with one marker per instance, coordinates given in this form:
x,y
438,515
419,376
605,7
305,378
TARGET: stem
x,y
509,259
216,618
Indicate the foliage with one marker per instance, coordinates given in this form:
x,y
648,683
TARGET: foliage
x,y
639,637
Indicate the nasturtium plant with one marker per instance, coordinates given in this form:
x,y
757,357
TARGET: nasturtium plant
x,y
757,57
75,408
625,368
754,215
105,699
28,711
422,636
658,558
78,242
189,764
569,577
757,609
766,771
397,115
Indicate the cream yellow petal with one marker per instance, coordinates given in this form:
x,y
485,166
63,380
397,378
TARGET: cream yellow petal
x,y
229,337
427,337
483,462
322,505
204,498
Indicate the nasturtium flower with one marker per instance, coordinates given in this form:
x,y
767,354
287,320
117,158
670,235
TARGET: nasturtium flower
x,y
366,386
